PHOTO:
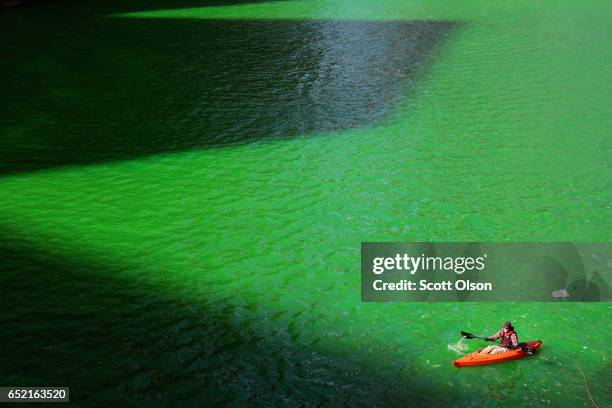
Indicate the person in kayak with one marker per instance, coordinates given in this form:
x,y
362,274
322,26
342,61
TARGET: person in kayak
x,y
509,340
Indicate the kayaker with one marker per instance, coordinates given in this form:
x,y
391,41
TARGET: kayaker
x,y
509,340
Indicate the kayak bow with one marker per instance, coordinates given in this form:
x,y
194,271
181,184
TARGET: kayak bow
x,y
476,358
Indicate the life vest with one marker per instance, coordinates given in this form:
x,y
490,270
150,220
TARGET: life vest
x,y
506,338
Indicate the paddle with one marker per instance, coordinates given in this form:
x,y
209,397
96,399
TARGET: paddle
x,y
523,347
470,336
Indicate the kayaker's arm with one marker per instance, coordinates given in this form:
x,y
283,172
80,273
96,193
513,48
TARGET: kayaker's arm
x,y
515,344
494,337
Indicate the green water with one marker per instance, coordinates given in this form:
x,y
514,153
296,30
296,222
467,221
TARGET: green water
x,y
184,188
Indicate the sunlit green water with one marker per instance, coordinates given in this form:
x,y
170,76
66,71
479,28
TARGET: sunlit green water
x,y
174,234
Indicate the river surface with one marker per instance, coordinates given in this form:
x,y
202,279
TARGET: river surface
x,y
184,187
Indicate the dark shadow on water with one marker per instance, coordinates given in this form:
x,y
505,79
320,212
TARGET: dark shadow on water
x,y
67,320
82,89
149,5
124,6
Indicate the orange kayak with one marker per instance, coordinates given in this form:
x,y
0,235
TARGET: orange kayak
x,y
476,358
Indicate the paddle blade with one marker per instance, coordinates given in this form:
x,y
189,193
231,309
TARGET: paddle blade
x,y
527,350
467,335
